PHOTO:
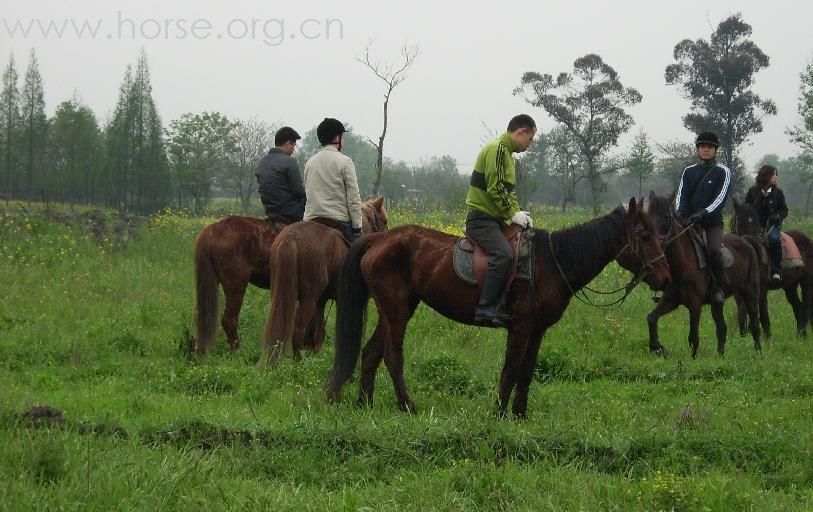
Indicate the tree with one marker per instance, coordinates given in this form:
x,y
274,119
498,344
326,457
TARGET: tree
x,y
34,127
200,146
716,76
139,174
253,138
803,134
392,76
9,128
74,155
676,155
589,104
641,162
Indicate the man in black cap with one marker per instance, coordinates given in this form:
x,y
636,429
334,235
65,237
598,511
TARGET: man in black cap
x,y
700,200
330,182
280,184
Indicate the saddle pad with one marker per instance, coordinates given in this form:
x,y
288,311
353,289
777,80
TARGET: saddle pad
x,y
791,257
463,263
702,258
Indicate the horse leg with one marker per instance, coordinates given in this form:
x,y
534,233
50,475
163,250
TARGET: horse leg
x,y
694,322
719,323
526,374
742,314
393,321
796,304
371,357
304,323
235,292
664,306
512,366
807,304
316,331
764,316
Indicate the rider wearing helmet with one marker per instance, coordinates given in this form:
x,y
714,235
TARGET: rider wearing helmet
x,y
331,185
493,204
700,200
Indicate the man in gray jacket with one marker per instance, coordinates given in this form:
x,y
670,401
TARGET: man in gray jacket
x,y
331,183
281,189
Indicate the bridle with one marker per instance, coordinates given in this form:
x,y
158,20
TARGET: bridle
x,y
647,268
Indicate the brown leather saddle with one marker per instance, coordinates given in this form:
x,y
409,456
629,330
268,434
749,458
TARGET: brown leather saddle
x,y
338,226
471,261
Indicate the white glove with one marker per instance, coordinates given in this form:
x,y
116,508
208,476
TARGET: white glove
x,y
522,219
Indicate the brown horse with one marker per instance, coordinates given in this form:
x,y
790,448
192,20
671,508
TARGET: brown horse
x,y
691,285
231,253
305,262
745,223
410,264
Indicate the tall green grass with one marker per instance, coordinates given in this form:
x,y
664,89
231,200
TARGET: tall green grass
x,y
95,311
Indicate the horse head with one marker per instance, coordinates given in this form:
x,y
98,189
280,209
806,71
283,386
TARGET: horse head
x,y
375,215
643,254
745,220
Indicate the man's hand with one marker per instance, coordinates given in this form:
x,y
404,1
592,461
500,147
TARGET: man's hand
x,y
696,217
522,219
775,219
356,234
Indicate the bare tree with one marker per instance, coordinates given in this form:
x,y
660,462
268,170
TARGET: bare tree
x,y
391,75
253,139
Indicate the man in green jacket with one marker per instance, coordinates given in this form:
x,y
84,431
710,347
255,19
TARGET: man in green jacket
x,y
493,204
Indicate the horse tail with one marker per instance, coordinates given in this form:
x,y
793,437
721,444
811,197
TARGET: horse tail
x,y
206,294
351,311
279,328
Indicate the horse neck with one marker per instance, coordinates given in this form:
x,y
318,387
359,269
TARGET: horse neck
x,y
584,251
679,252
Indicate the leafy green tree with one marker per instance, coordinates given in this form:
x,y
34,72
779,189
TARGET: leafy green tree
x,y
716,76
74,155
589,104
34,128
139,174
200,147
641,161
803,134
9,129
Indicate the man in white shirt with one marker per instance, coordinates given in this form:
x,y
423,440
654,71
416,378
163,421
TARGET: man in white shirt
x,y
331,186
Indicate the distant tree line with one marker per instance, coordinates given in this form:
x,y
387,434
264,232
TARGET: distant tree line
x,y
134,162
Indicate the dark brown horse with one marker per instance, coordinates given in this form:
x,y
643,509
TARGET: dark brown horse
x,y
691,285
410,264
231,253
305,262
746,223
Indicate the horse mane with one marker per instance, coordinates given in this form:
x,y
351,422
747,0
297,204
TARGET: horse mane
x,y
584,243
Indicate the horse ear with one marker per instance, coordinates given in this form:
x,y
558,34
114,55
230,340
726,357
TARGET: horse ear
x,y
378,203
633,206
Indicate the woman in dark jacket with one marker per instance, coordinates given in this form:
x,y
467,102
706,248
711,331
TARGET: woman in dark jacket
x,y
769,201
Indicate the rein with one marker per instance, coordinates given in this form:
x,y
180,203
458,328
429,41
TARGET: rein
x,y
581,294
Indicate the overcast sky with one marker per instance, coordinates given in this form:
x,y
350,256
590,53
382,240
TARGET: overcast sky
x,y
300,65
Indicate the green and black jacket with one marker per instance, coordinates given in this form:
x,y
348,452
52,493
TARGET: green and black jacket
x,y
491,190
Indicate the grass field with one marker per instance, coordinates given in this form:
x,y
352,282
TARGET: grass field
x,y
95,313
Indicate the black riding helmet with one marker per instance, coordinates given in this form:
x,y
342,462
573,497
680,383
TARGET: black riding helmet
x,y
707,138
328,129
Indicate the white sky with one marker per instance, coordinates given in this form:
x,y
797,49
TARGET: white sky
x,y
473,56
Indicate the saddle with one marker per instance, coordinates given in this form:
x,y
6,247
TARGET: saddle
x,y
470,261
341,227
698,237
791,257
